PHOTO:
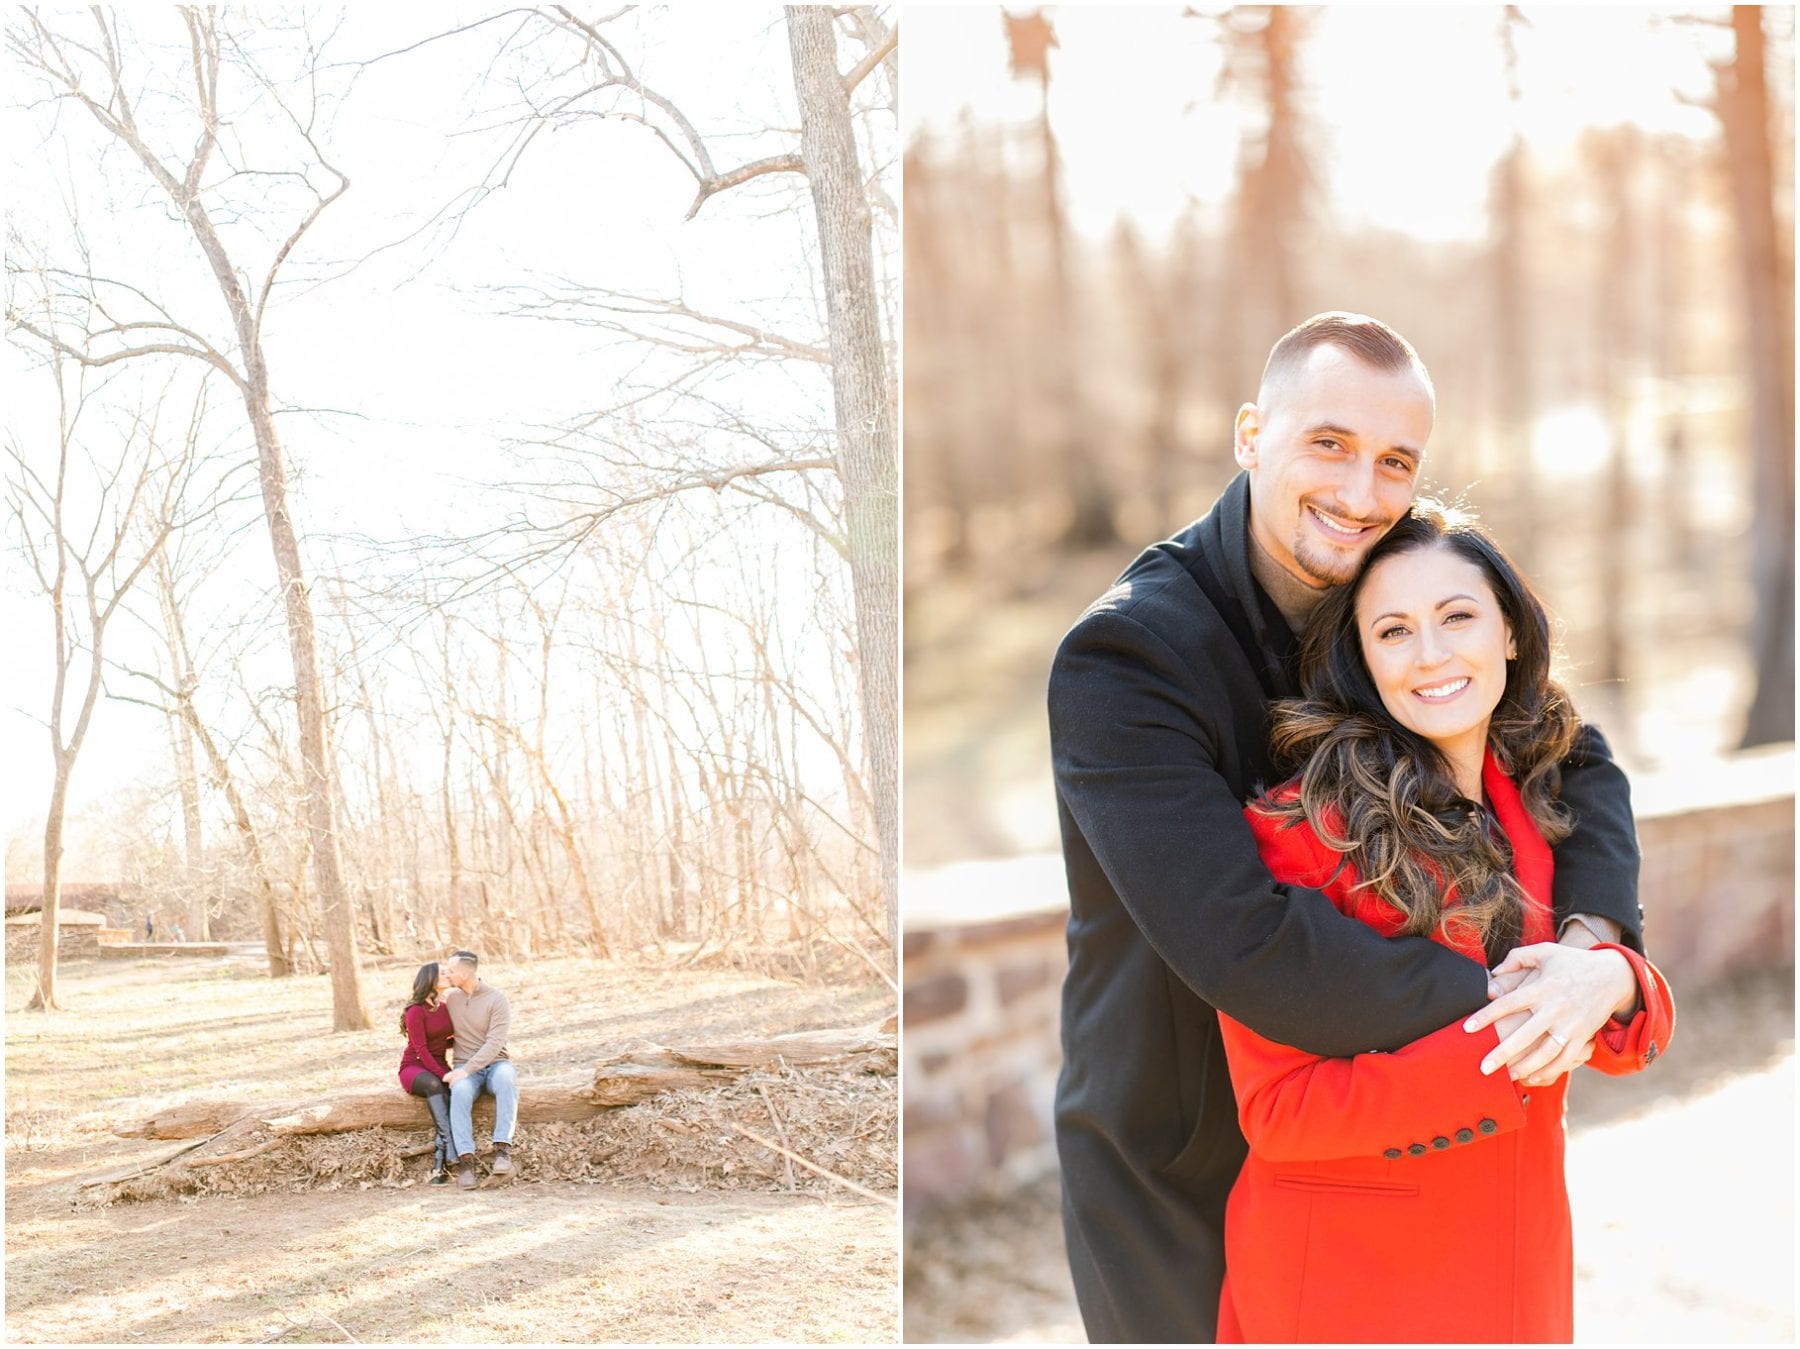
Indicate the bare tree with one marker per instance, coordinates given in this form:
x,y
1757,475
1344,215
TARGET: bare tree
x,y
1766,264
91,72
178,705
1030,39
1274,176
1509,213
1615,153
866,447
86,556
181,743
864,458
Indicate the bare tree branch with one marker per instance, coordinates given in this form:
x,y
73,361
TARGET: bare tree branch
x,y
876,56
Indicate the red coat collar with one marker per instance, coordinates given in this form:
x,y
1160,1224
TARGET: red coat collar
x,y
1532,860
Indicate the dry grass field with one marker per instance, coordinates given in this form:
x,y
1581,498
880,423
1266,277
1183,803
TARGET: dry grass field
x,y
610,1257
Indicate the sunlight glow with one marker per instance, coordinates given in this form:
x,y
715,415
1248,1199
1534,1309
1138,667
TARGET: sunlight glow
x,y
1408,104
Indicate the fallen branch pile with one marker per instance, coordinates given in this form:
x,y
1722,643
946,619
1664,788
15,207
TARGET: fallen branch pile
x,y
676,1118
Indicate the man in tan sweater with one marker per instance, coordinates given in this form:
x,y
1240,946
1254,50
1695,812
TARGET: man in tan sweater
x,y
481,1017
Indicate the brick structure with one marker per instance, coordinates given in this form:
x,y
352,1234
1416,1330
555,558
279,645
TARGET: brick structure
x,y
1717,883
124,948
984,960
78,935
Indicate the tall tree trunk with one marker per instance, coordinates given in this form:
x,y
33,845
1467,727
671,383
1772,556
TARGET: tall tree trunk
x,y
181,743
1271,207
378,885
1512,411
452,851
1676,188
1617,149
639,814
43,997
1768,278
337,918
280,960
867,460
336,914
1091,522
674,845
113,111
193,868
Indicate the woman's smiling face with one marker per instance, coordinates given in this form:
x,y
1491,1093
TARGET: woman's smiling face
x,y
1436,645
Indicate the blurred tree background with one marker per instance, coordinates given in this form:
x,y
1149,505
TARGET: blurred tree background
x,y
1582,219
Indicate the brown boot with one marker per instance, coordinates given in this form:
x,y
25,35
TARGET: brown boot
x,y
465,1172
503,1162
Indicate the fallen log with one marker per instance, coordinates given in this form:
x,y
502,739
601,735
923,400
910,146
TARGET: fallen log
x,y
541,1100
831,1097
620,1080
647,1070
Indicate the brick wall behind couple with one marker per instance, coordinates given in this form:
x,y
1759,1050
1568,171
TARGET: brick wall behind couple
x,y
980,1050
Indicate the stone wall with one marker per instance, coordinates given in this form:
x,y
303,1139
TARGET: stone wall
x,y
77,938
1717,882
137,950
980,1052
984,959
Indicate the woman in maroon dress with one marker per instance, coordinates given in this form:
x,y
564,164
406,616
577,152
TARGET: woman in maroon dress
x,y
425,1022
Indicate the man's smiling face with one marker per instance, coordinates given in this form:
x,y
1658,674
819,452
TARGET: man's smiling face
x,y
1333,451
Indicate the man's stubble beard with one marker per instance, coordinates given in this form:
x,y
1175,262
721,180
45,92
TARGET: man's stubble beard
x,y
1328,569
1324,565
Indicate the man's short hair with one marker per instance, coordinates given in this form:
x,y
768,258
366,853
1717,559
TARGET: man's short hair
x,y
468,958
1369,340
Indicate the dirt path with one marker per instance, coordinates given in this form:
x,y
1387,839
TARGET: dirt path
x,y
557,1261
551,1263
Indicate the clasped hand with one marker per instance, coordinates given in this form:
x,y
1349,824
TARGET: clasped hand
x,y
1547,1002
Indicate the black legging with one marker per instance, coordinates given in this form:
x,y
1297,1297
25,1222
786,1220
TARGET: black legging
x,y
437,1096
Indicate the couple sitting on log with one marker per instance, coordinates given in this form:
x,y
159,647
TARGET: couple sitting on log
x,y
450,1006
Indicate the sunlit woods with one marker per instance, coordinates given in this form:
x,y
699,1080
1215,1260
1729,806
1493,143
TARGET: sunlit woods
x,y
1610,348
653,748
622,700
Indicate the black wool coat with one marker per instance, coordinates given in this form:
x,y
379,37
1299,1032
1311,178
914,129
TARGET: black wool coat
x,y
1159,734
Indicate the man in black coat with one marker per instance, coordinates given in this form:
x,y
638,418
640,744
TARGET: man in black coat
x,y
1159,734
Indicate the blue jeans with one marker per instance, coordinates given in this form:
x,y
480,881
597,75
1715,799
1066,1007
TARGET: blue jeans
x,y
499,1080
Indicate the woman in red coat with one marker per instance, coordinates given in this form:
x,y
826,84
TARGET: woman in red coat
x,y
425,1022
1408,1196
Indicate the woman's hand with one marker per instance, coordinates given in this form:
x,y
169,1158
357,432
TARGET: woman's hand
x,y
1570,994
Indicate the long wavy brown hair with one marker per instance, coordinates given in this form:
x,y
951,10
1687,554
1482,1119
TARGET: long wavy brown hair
x,y
1382,795
424,991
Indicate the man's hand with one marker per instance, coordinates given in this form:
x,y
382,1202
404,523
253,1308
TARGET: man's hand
x,y
1570,993
456,1075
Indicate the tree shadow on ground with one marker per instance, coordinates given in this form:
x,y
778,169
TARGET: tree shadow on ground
x,y
445,1265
